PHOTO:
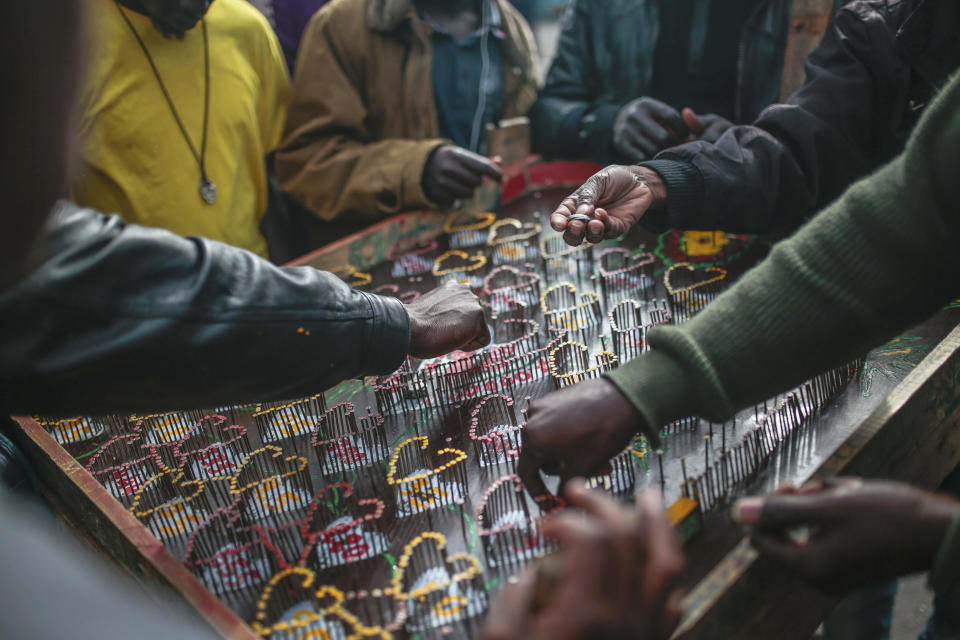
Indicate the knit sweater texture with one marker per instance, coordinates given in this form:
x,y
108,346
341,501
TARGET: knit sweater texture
x,y
880,259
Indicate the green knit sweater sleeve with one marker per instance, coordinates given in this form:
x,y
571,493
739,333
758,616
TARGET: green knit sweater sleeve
x,y
877,261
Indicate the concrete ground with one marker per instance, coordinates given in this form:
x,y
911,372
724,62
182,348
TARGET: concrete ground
x,y
913,607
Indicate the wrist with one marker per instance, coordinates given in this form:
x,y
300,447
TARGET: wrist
x,y
654,182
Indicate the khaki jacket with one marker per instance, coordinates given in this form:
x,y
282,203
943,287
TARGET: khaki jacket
x,y
362,120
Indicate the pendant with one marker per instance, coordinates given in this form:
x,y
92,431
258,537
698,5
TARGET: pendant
x,y
208,190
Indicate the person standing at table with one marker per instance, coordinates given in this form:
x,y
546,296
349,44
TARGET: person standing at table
x,y
180,104
390,102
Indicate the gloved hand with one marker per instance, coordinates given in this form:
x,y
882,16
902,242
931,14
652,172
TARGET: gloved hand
x,y
645,127
452,173
707,127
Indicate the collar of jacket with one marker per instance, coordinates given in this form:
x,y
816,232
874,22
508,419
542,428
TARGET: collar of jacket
x,y
387,16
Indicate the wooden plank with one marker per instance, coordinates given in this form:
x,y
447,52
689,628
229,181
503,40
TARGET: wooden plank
x,y
87,502
913,436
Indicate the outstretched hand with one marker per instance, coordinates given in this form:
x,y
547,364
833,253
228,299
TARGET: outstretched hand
x,y
854,532
615,576
446,319
575,432
614,199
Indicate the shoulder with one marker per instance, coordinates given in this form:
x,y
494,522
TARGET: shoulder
x,y
342,21
248,28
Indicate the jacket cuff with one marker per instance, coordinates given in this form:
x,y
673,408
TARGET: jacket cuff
x,y
413,195
388,340
654,385
685,195
946,569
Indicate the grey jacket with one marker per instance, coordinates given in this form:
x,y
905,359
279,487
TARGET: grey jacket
x,y
120,318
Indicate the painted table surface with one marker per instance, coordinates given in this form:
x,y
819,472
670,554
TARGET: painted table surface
x,y
399,539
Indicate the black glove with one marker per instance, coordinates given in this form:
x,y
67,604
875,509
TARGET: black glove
x,y
452,173
646,126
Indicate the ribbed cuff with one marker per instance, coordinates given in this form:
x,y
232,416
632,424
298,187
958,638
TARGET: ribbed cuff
x,y
654,385
388,340
946,568
685,195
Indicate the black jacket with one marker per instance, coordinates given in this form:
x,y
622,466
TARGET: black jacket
x,y
121,318
605,59
867,83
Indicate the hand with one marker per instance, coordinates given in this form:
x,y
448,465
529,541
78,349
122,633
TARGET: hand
x,y
575,432
708,127
860,532
445,320
615,198
452,173
614,577
644,127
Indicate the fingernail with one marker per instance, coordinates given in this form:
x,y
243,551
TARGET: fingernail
x,y
577,484
747,510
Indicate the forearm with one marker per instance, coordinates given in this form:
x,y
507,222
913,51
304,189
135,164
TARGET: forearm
x,y
864,270
335,175
134,319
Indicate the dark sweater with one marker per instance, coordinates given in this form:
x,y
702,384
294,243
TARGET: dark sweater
x,y
882,258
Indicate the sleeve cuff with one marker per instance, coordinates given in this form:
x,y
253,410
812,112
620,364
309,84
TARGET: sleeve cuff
x,y
946,569
685,195
388,341
654,385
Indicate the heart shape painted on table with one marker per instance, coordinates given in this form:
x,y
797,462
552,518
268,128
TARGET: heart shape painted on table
x,y
515,279
185,449
353,277
462,567
294,578
629,262
143,507
515,231
468,221
546,304
565,249
415,248
360,510
106,460
457,257
453,457
699,277
295,464
632,306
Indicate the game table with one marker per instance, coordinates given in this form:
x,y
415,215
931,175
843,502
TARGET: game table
x,y
389,507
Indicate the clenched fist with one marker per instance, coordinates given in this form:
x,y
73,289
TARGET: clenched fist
x,y
446,319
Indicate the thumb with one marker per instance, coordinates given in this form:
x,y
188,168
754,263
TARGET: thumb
x,y
691,121
780,511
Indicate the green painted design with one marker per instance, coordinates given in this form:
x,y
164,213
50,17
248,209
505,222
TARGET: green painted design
x,y
471,526
671,248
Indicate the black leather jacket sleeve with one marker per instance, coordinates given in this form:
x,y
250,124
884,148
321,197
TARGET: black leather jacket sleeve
x,y
845,121
126,318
